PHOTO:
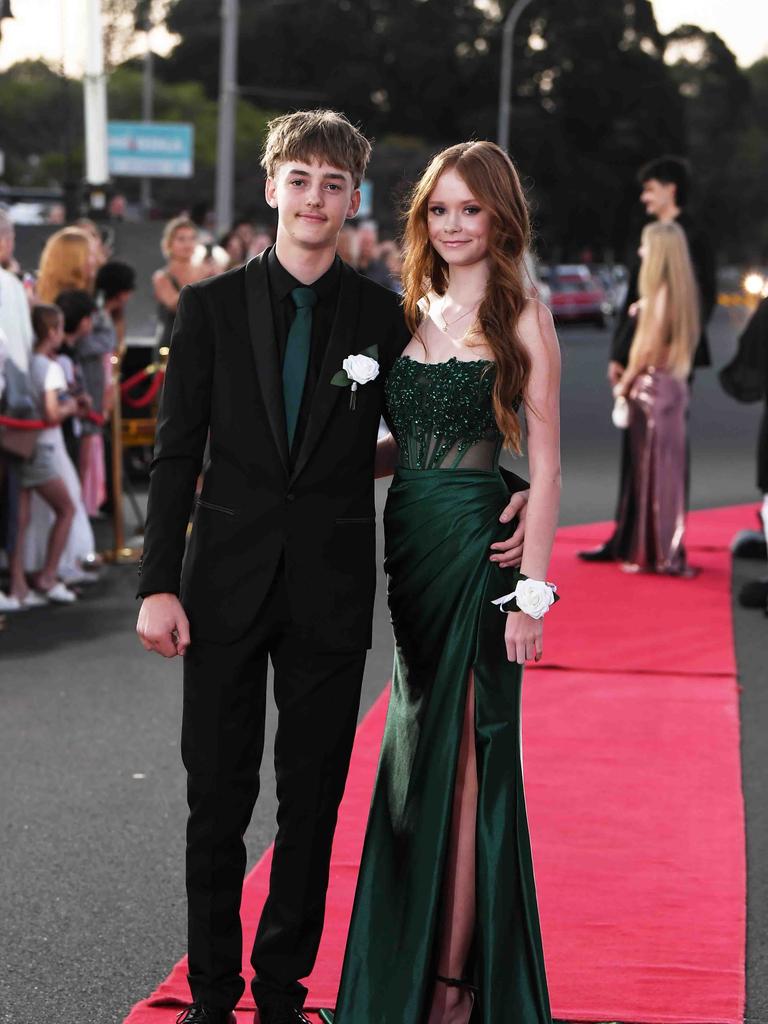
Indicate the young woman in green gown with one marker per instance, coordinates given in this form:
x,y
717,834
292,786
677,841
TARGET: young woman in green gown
x,y
445,924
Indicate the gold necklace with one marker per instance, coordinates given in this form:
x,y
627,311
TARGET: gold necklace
x,y
446,324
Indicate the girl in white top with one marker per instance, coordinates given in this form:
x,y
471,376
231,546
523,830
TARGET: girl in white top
x,y
54,405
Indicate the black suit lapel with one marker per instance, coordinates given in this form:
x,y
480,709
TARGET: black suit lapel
x,y
264,345
342,342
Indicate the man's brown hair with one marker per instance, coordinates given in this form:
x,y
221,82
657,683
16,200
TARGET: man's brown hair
x,y
308,135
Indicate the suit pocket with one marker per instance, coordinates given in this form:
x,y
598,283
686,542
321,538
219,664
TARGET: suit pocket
x,y
359,519
216,508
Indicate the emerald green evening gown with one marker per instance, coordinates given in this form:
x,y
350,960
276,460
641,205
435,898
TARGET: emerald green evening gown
x,y
441,517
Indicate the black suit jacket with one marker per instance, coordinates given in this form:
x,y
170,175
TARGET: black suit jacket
x,y
705,271
224,375
745,378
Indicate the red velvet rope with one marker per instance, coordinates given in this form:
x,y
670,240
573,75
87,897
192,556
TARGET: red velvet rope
x,y
149,395
156,373
9,421
129,382
14,424
94,417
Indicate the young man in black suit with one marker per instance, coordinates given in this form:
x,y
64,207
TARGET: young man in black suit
x,y
281,560
665,184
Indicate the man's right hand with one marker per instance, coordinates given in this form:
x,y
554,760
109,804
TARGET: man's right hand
x,y
615,372
163,626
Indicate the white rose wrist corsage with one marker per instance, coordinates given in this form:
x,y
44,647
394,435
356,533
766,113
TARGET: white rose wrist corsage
x,y
357,370
534,597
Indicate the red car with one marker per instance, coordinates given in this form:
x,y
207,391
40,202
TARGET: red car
x,y
577,296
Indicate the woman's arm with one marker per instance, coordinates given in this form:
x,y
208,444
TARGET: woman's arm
x,y
57,411
387,457
166,292
648,343
523,633
542,401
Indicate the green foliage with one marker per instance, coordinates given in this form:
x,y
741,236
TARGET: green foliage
x,y
41,115
41,112
598,90
722,138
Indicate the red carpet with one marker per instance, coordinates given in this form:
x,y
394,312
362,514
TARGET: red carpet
x,y
634,795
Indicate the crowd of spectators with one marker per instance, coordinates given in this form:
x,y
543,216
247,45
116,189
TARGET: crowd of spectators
x,y
58,339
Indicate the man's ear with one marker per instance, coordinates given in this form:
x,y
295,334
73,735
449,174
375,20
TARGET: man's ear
x,y
354,204
270,193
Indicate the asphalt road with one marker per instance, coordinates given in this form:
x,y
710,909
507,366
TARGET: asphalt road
x,y
92,798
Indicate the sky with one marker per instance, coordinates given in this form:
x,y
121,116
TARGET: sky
x,y
53,28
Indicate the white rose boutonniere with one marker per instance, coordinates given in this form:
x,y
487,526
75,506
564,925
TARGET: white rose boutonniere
x,y
357,370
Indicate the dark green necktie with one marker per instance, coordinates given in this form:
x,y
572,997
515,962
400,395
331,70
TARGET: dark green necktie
x,y
296,358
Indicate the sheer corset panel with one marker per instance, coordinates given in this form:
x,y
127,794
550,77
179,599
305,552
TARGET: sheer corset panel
x,y
442,414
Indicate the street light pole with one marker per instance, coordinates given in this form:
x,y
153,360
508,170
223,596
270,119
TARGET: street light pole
x,y
147,109
505,85
95,96
225,163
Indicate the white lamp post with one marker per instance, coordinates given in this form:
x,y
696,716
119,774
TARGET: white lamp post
x,y
505,85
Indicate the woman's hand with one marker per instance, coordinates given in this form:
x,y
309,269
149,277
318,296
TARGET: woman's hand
x,y
523,637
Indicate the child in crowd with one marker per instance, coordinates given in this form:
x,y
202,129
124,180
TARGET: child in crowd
x,y
78,308
40,474
90,354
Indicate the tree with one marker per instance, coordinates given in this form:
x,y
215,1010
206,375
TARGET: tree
x,y
42,119
41,113
592,97
593,101
404,67
717,101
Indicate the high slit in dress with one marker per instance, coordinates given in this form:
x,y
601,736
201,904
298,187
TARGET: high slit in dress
x,y
442,515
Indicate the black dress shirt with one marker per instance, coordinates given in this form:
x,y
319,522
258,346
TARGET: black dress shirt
x,y
281,284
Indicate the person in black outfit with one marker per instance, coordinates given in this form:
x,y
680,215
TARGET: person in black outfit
x,y
281,559
665,184
745,378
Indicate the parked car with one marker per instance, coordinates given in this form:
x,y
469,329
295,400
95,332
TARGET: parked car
x,y
615,281
577,296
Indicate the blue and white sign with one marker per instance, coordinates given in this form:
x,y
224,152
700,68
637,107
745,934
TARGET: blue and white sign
x,y
366,200
146,149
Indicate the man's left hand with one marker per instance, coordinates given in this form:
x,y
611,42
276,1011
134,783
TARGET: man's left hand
x,y
509,553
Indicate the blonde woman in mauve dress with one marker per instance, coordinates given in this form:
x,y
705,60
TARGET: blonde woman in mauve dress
x,y
651,525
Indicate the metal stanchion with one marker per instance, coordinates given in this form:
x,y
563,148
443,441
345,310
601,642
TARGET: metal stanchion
x,y
120,553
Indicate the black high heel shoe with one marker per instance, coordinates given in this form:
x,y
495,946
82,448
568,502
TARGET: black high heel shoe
x,y
461,983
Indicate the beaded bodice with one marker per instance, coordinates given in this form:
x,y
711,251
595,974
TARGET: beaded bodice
x,y
442,415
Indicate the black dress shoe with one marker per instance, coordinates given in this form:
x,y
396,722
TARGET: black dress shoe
x,y
749,544
199,1014
602,554
754,594
280,1013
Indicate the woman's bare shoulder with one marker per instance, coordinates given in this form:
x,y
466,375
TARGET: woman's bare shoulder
x,y
536,324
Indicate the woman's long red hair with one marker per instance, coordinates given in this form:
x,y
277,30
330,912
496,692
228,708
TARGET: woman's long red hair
x,y
493,181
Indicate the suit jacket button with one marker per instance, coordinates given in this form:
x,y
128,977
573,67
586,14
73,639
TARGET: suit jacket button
x,y
290,496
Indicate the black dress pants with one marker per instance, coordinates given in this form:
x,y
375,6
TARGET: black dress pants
x,y
317,695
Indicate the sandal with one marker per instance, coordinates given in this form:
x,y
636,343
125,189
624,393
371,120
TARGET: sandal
x,y
461,983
